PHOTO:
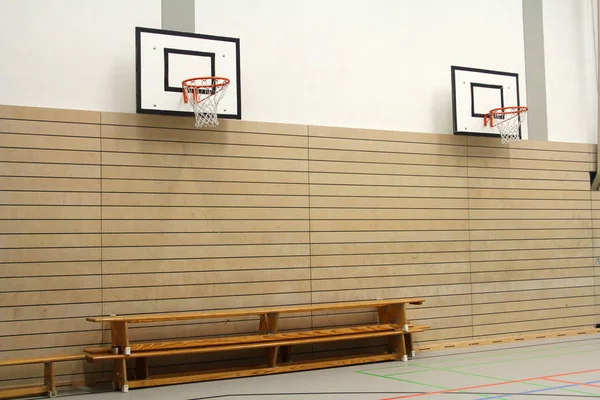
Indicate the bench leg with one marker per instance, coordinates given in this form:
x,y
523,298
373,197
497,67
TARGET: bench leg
x,y
120,336
49,379
409,345
268,325
401,347
141,368
396,314
120,375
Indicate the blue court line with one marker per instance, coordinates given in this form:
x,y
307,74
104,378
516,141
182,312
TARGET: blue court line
x,y
539,390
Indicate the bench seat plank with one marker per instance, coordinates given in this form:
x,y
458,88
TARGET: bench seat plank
x,y
246,346
12,392
39,360
145,318
265,370
181,344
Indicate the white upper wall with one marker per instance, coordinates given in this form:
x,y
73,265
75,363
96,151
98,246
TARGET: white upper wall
x,y
379,64
372,64
77,54
570,55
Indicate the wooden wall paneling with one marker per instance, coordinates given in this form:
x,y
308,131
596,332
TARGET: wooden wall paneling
x,y
558,233
526,173
203,221
208,265
530,254
49,340
482,141
202,149
35,255
201,161
530,233
48,114
197,291
369,226
389,236
533,244
42,283
237,276
67,325
595,201
388,215
12,154
533,153
518,224
49,297
549,292
401,160
579,298
211,213
558,262
526,164
227,125
383,271
202,226
48,128
340,202
125,213
505,276
406,138
284,138
50,235
571,322
40,270
49,311
195,200
209,303
387,191
530,204
50,142
49,170
198,174
387,169
209,238
531,184
50,184
197,252
387,258
368,145
528,194
186,187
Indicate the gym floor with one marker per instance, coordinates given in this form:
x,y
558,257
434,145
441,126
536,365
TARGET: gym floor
x,y
566,368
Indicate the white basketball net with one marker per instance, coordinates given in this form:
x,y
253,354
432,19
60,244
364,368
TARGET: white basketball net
x,y
204,95
508,122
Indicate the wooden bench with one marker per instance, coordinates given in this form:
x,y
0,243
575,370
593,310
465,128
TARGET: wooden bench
x,y
392,324
49,386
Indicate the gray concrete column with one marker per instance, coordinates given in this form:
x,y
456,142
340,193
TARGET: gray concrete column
x,y
179,15
535,69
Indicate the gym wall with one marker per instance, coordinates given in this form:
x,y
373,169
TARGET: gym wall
x,y
121,213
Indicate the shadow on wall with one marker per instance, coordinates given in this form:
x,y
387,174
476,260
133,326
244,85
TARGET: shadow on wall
x,y
442,109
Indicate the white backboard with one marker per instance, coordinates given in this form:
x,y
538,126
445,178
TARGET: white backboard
x,y
165,58
475,92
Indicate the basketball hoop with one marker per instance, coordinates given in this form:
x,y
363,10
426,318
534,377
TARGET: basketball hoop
x,y
507,120
204,95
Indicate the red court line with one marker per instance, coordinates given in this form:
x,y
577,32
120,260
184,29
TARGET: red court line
x,y
494,384
572,383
